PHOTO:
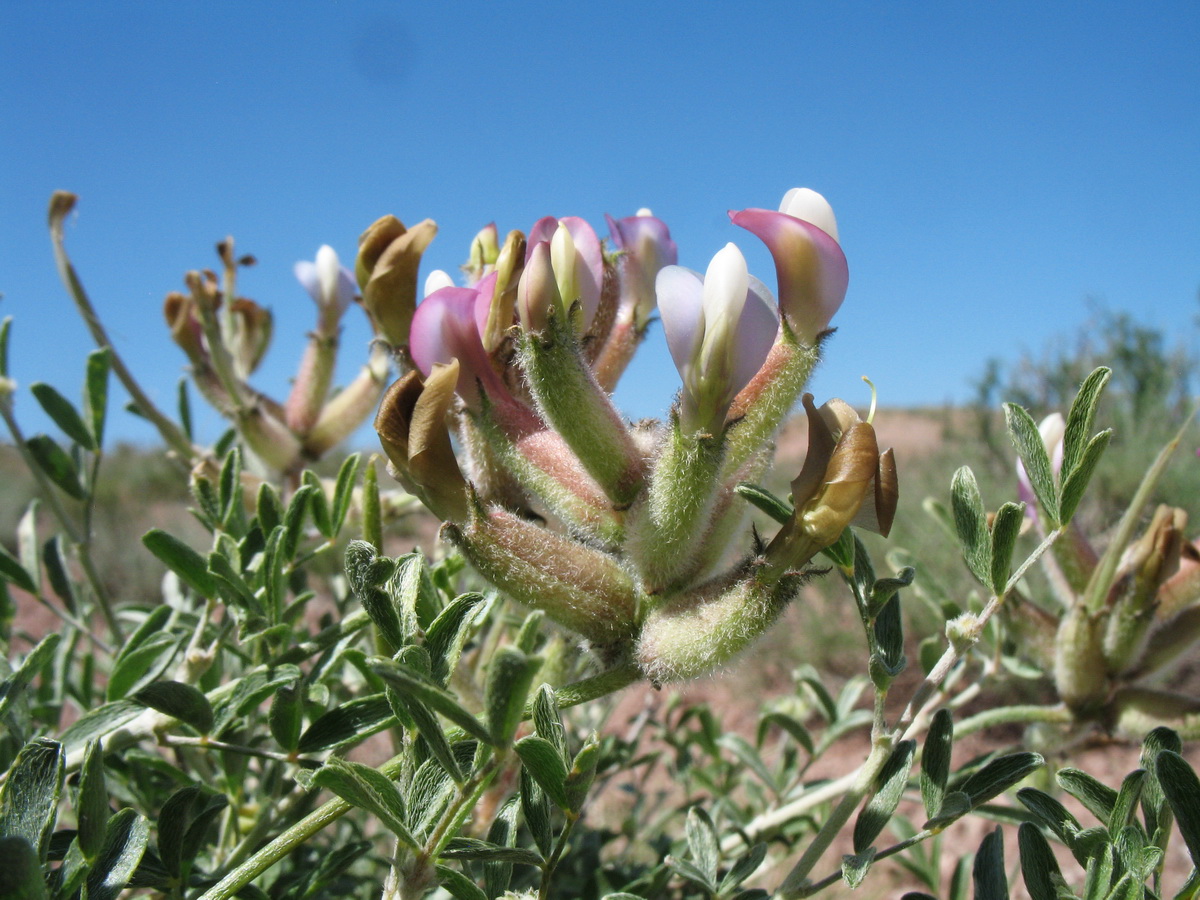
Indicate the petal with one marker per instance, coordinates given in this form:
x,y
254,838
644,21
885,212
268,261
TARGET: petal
x,y
589,267
444,328
807,204
306,274
436,280
757,329
680,293
809,264
543,230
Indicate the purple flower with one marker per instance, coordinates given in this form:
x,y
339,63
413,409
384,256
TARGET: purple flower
x,y
646,246
446,326
576,258
328,282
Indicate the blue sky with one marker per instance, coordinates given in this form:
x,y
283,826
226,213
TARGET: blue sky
x,y
992,165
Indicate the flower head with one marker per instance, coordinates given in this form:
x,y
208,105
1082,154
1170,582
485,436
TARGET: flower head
x,y
646,247
719,329
328,282
576,260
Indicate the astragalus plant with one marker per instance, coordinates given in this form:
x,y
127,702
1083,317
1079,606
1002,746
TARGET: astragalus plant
x,y
277,724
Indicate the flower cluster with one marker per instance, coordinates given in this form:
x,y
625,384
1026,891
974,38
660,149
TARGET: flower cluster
x,y
504,424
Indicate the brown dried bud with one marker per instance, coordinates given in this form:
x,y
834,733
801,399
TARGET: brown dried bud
x,y
389,256
412,429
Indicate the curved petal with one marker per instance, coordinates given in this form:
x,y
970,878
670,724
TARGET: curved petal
x,y
807,204
543,230
589,266
758,327
680,304
436,280
444,328
306,274
809,264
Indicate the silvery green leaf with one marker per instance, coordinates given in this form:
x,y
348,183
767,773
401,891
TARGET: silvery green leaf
x,y
1006,525
251,690
529,637
988,874
888,630
510,675
1098,879
546,766
429,793
1154,803
35,660
1080,419
449,632
143,665
890,785
92,808
286,715
458,885
411,685
1050,813
970,522
1030,447
99,721
268,507
56,464
999,775
497,874
343,491
1182,790
1128,797
702,843
124,844
353,719
95,392
1043,878
474,848
1099,799
689,870
743,867
293,519
547,719
181,559
415,592
789,724
180,701
13,572
318,505
855,868
64,414
370,790
29,797
1075,483
935,761
764,500
21,875
535,807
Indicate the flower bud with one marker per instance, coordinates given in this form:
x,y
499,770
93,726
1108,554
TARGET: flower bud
x,y
502,312
252,330
484,250
646,247
389,256
538,296
411,424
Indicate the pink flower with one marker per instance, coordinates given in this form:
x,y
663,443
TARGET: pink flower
x,y
647,247
809,262
448,325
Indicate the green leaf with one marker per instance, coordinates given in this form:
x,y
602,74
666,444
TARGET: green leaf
x,y
1155,808
14,573
319,505
1028,441
702,843
286,715
250,691
185,812
29,797
935,761
889,659
54,554
1099,799
535,807
970,522
473,848
890,784
415,592
57,465
510,675
183,404
1043,878
143,665
855,868
988,875
293,519
687,869
999,775
449,632
124,844
497,874
5,332
458,885
95,392
64,414
759,497
343,491
1074,484
582,773
955,805
366,570
99,721
791,725
1050,813
92,810
179,701
547,719
749,757
268,507
743,867
370,790
15,684
229,487
1006,525
359,717
544,763
1080,420
21,875
1182,790
411,684
181,559
1127,801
